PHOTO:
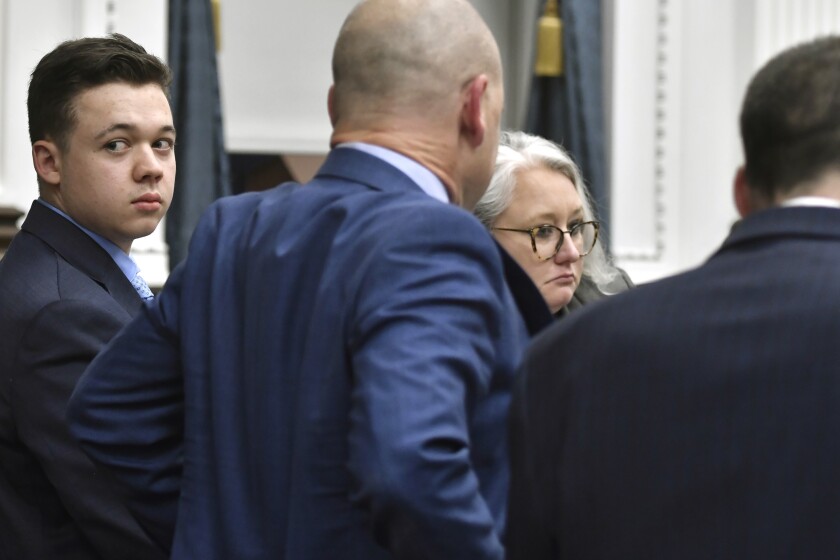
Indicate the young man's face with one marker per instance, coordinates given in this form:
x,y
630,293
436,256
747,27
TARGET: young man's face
x,y
117,175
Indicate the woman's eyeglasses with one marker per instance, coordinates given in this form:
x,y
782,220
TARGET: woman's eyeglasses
x,y
546,239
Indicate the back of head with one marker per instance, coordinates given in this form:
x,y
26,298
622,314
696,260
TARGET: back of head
x,y
393,55
78,65
790,120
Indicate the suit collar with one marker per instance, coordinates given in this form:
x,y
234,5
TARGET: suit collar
x,y
82,252
361,167
422,176
797,221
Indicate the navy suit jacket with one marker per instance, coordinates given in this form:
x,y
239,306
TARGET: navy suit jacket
x,y
62,297
336,360
696,417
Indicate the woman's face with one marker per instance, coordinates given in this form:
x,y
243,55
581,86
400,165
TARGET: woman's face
x,y
544,196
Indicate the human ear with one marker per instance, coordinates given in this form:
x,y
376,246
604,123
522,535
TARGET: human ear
x,y
331,105
473,124
46,157
741,192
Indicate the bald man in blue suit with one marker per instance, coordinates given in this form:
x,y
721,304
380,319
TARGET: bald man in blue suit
x,y
328,375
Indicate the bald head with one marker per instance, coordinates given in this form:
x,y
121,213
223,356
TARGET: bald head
x,y
393,55
422,78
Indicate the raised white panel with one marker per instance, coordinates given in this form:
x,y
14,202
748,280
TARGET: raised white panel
x,y
143,22
645,128
680,70
32,33
275,68
675,95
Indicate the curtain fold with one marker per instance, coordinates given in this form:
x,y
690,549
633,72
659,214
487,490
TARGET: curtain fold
x,y
569,109
203,170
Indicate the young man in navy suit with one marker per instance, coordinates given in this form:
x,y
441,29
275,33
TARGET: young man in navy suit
x,y
103,149
328,374
698,416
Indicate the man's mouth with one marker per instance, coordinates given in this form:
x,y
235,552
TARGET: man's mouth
x,y
148,202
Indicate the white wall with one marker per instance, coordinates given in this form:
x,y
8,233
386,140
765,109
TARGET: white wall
x,y
275,73
275,65
680,71
674,138
679,68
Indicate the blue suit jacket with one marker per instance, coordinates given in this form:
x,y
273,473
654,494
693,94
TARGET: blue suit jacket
x,y
336,360
696,417
62,297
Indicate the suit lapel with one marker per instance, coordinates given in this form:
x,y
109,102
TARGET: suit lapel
x,y
82,252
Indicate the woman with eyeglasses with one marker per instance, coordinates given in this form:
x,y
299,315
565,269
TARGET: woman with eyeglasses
x,y
539,210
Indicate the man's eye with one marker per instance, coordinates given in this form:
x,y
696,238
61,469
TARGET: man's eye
x,y
164,144
116,145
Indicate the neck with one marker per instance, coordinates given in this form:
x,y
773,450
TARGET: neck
x,y
428,149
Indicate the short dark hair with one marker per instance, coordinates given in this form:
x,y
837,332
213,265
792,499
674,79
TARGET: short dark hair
x,y
76,66
790,118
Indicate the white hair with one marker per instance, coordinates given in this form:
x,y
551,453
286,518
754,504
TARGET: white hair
x,y
519,151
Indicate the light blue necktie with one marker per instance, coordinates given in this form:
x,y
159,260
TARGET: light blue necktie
x,y
142,288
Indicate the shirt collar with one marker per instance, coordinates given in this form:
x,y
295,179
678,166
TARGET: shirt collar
x,y
812,201
126,263
424,178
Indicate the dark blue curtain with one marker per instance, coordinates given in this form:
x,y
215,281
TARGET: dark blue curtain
x,y
569,109
203,169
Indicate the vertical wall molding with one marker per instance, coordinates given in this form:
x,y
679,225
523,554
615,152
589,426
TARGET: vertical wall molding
x,y
645,113
655,250
661,134
110,16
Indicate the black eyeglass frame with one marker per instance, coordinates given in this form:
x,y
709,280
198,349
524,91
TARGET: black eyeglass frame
x,y
533,233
